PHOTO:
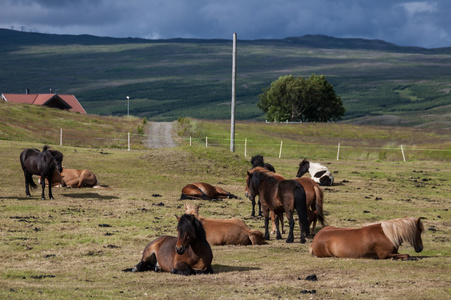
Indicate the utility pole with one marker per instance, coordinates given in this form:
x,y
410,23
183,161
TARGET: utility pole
x,y
232,121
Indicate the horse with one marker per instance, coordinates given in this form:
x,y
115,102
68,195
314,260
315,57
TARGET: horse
x,y
258,161
187,254
380,240
74,178
205,191
278,196
319,173
226,231
35,162
314,197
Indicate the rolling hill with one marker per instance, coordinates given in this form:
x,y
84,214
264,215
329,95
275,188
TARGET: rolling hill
x,y
379,82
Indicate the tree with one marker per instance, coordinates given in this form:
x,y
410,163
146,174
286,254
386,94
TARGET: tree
x,y
299,99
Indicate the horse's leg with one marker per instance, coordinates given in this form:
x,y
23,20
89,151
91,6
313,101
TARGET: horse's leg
x,y
43,187
290,237
253,207
259,208
273,223
27,183
276,221
266,226
208,270
182,268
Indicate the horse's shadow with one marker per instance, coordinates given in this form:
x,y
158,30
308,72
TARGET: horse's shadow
x,y
90,195
225,269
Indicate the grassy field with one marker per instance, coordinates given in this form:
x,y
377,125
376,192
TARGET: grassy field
x,y
78,245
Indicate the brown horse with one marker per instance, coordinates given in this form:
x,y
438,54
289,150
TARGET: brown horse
x,y
226,231
278,196
314,197
74,178
380,240
188,253
205,191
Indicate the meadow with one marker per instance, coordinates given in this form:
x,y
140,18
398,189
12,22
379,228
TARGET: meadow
x,y
78,245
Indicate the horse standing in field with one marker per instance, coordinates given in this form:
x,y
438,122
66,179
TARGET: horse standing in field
x,y
205,191
314,197
188,253
226,231
35,162
74,178
319,173
258,161
278,196
380,240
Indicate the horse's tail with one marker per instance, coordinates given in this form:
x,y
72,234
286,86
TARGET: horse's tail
x,y
257,237
319,196
300,203
33,185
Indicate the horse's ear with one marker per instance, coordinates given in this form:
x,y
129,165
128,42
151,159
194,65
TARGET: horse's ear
x,y
248,173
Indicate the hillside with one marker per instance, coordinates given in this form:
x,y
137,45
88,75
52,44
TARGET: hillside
x,y
380,83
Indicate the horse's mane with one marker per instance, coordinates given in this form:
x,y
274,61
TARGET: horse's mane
x,y
186,221
260,175
401,230
257,161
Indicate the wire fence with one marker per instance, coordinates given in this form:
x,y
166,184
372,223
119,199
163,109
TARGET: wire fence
x,y
248,147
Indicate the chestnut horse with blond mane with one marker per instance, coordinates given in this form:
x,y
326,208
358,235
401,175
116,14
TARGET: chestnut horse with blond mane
x,y
188,253
226,231
380,240
74,178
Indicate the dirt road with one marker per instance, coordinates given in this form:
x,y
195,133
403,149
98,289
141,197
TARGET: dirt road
x,y
159,135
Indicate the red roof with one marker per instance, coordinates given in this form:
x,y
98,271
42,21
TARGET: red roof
x,y
68,102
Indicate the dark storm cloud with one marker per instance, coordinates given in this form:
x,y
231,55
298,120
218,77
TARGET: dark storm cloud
x,y
417,23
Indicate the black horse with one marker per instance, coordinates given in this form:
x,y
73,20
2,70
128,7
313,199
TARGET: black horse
x,y
42,163
258,161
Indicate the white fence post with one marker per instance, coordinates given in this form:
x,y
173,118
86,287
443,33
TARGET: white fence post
x,y
403,156
245,147
280,151
128,141
190,141
338,151
206,141
61,136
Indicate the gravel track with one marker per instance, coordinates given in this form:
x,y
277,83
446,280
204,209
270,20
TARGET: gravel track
x,y
159,135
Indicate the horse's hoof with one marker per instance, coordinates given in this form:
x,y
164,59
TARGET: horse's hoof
x,y
303,241
135,269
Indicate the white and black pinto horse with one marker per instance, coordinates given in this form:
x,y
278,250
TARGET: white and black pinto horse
x,y
319,173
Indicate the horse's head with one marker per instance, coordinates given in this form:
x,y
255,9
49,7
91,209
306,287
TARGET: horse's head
x,y
303,168
189,229
249,190
58,157
418,242
257,161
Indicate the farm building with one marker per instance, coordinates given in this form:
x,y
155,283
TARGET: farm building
x,y
65,102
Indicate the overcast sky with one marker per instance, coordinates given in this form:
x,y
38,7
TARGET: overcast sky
x,y
407,23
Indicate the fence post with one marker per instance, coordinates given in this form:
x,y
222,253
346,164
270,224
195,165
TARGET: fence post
x,y
403,156
338,151
128,141
280,151
245,147
190,141
206,141
61,136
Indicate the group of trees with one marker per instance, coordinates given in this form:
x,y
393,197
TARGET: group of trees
x,y
310,99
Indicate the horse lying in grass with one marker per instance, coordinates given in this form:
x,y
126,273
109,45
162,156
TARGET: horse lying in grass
x,y
318,172
205,191
74,178
188,253
45,164
280,197
380,240
226,231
